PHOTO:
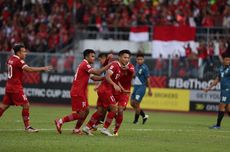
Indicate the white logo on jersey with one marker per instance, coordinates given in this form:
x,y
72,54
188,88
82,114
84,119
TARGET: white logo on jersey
x,y
140,71
83,104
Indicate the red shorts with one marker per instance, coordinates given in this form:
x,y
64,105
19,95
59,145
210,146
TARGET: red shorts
x,y
79,103
17,99
122,99
105,99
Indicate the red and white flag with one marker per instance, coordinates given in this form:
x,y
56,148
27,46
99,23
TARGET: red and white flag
x,y
139,33
170,40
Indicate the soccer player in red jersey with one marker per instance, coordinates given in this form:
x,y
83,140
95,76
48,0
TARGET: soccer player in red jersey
x,y
104,60
14,94
125,82
78,91
106,91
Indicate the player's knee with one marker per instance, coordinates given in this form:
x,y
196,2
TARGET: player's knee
x,y
26,106
75,116
100,110
120,111
3,106
132,103
87,111
113,108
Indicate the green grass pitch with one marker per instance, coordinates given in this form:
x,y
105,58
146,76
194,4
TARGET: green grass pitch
x,y
163,132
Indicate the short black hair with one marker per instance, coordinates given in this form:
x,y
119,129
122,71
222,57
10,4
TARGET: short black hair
x,y
101,55
87,52
124,52
140,55
17,47
226,54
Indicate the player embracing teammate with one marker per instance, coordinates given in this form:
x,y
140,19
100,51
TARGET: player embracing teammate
x,y
113,95
78,93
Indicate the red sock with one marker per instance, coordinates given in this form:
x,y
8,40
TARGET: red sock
x,y
119,120
26,117
1,112
71,117
94,119
109,119
80,122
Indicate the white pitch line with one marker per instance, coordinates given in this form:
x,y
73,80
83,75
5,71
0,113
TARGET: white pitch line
x,y
141,130
178,130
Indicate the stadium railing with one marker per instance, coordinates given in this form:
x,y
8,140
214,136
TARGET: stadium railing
x,y
172,67
121,33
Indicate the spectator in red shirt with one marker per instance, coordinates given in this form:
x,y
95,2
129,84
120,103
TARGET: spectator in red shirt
x,y
159,65
210,52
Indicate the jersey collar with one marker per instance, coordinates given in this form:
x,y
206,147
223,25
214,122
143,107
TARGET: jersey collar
x,y
86,61
16,56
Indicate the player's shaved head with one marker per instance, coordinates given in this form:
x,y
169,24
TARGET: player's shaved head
x,y
87,52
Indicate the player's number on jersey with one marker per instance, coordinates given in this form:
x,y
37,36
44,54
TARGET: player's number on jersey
x,y
112,98
10,73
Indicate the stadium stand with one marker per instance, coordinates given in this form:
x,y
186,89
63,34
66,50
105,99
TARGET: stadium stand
x,y
51,25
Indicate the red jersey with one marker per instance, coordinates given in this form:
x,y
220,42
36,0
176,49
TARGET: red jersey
x,y
188,51
115,68
81,78
15,73
126,77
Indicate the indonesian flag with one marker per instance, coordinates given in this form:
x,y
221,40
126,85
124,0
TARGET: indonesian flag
x,y
139,33
171,40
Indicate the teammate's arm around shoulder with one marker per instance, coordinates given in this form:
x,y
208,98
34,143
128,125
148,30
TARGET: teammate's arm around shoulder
x,y
37,69
99,71
214,83
96,77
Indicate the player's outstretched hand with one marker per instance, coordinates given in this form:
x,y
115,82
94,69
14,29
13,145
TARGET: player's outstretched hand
x,y
150,93
48,68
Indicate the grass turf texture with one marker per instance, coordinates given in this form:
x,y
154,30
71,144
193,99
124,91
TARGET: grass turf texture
x,y
163,132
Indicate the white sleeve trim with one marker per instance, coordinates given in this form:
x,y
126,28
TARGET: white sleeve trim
x,y
110,71
90,70
24,66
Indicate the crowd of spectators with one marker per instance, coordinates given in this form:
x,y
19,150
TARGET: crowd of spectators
x,y
201,64
49,25
123,13
42,25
